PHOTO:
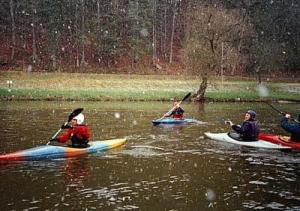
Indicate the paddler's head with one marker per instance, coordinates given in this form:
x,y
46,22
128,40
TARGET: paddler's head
x,y
250,115
175,103
78,119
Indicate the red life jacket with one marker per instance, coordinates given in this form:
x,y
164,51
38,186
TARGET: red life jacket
x,y
177,116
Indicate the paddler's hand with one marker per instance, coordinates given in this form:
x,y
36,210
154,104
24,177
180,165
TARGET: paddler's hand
x,y
288,116
53,139
229,123
65,126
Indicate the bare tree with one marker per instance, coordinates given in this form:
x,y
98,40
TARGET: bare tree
x,y
210,27
172,33
83,38
13,29
33,24
154,42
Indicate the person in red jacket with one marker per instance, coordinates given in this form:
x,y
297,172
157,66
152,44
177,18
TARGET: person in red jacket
x,y
78,132
176,113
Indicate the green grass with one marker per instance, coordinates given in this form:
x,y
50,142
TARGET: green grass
x,y
78,86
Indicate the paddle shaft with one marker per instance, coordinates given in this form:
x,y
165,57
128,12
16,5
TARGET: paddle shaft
x,y
275,109
54,136
282,113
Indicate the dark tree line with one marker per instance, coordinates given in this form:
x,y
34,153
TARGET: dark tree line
x,y
243,35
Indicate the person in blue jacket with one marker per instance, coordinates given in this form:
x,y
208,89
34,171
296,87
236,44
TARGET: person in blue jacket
x,y
249,129
293,128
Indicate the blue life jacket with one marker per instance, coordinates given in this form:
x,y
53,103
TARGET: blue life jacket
x,y
249,130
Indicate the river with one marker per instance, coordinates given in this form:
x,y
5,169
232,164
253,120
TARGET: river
x,y
159,168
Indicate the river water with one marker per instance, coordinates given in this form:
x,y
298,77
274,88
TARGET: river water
x,y
159,168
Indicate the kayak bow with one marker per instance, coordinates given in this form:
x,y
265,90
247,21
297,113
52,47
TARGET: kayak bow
x,y
51,151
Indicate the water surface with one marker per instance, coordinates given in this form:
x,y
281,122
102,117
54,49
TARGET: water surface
x,y
160,168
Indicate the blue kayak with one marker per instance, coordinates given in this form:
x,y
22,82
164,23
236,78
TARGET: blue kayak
x,y
173,121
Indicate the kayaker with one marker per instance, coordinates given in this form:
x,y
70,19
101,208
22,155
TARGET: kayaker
x,y
77,132
177,112
249,129
293,128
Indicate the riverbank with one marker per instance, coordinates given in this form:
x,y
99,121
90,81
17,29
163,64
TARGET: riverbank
x,y
119,87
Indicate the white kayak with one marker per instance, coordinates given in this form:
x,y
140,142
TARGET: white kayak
x,y
229,138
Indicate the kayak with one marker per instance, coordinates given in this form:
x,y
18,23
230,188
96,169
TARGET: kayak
x,y
232,138
52,151
282,140
173,121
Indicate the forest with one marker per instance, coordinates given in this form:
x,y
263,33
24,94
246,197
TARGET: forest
x,y
225,37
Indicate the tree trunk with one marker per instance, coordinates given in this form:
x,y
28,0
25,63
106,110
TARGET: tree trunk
x,y
165,35
257,71
54,62
222,61
77,36
172,36
154,55
201,91
98,16
34,49
82,33
13,30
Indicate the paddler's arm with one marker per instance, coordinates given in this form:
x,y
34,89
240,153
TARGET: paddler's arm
x,y
65,137
236,128
286,125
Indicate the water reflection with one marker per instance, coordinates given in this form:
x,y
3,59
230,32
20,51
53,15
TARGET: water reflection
x,y
170,128
76,172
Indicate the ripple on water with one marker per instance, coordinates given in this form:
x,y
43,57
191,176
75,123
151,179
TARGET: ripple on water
x,y
146,151
126,193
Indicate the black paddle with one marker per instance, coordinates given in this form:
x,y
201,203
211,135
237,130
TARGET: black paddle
x,y
281,112
70,117
170,111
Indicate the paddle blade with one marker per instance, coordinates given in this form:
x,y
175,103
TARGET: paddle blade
x,y
74,113
187,96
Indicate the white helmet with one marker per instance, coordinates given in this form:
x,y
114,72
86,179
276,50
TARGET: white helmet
x,y
79,118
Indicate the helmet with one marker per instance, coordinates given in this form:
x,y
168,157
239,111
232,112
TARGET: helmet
x,y
79,118
251,113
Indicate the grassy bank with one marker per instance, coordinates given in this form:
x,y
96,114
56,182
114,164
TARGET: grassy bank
x,y
64,86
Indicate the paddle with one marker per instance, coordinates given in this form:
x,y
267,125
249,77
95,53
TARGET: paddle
x,y
70,117
170,111
281,112
264,92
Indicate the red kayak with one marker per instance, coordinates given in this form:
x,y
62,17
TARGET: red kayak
x,y
280,140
